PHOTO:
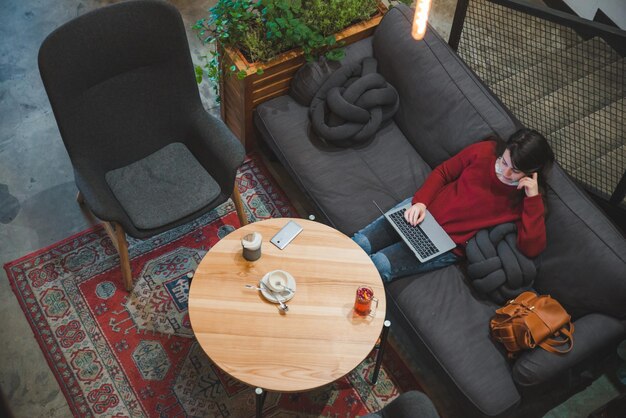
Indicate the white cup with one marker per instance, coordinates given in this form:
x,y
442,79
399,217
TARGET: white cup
x,y
277,280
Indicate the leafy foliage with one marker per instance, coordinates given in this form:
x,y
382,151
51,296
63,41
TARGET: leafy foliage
x,y
331,16
262,29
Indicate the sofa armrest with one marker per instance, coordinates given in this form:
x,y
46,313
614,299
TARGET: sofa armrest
x,y
592,332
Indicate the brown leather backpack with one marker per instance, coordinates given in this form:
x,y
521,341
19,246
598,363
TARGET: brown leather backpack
x,y
531,320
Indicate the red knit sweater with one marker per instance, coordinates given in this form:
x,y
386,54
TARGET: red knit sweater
x,y
465,195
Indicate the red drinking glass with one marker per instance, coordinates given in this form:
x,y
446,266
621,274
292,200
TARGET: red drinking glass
x,y
363,301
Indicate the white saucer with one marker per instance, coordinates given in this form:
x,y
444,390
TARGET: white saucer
x,y
285,295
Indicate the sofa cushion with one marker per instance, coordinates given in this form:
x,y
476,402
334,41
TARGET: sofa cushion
x,y
309,78
584,263
592,332
453,107
342,181
454,325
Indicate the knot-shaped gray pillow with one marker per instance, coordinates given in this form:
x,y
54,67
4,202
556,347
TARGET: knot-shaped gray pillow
x,y
353,104
496,267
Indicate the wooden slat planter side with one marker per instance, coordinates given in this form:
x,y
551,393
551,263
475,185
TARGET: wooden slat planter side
x,y
239,97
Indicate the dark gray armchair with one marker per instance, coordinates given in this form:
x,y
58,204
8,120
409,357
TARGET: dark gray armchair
x,y
146,155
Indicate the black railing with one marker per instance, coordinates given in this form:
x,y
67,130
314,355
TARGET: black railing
x,y
558,73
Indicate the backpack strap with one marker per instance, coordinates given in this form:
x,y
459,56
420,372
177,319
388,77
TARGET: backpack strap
x,y
549,344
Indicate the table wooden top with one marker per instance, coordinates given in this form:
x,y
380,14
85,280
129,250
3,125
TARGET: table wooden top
x,y
318,341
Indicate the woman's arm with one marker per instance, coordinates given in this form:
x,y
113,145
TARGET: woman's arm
x,y
531,229
450,170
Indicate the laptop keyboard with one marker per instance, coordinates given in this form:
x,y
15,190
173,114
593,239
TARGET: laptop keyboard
x,y
421,243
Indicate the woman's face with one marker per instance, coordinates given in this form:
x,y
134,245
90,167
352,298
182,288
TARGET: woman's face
x,y
508,173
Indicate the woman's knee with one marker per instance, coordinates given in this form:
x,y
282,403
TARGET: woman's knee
x,y
362,242
383,265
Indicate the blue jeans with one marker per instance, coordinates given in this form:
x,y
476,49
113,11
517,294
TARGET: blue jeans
x,y
391,256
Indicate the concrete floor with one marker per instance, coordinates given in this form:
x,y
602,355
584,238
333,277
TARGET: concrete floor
x,y
37,191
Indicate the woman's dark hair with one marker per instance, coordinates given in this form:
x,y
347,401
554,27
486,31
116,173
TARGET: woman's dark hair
x,y
530,153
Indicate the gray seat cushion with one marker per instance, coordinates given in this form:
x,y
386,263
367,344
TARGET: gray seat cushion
x,y
163,187
454,325
342,181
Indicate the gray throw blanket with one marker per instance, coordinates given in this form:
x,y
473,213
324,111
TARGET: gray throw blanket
x,y
352,104
495,265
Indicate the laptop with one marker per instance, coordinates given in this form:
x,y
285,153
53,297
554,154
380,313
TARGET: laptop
x,y
427,239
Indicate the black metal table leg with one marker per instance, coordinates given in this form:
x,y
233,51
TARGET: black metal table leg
x,y
381,349
260,399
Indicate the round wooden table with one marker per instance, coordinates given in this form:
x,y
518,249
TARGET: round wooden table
x,y
318,341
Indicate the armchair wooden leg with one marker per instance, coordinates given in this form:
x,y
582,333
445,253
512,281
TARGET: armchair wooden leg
x,y
118,237
241,213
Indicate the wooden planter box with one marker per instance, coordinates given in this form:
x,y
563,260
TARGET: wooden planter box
x,y
239,97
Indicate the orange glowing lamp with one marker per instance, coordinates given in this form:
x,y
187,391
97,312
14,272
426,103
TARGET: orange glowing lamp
x,y
422,7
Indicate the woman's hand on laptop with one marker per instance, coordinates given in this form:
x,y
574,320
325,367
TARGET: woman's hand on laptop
x,y
415,214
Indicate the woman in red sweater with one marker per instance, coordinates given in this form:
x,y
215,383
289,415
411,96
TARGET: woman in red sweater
x,y
486,184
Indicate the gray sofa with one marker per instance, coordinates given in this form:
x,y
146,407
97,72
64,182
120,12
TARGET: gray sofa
x,y
443,108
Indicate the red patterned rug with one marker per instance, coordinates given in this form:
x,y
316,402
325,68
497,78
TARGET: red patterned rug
x,y
117,354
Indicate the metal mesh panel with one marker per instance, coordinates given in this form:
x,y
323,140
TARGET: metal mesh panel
x,y
570,89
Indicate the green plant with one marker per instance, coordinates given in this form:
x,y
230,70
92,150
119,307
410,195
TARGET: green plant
x,y
330,16
262,29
